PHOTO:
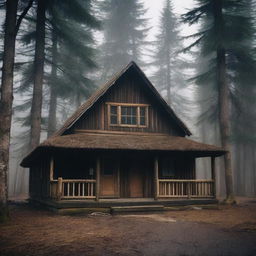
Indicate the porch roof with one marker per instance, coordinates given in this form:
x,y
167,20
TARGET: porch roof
x,y
137,142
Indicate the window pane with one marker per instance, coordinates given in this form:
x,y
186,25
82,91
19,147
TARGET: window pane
x,y
142,116
128,120
123,119
113,110
142,111
134,111
134,120
123,111
113,114
142,120
113,119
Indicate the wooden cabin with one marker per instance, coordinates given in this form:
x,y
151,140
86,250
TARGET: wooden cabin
x,y
124,142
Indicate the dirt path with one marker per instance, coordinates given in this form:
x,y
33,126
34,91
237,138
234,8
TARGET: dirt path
x,y
228,231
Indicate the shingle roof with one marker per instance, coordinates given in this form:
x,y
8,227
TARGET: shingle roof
x,y
104,141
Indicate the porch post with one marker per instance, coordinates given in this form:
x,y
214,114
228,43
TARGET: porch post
x,y
49,182
213,175
156,184
59,188
51,169
97,191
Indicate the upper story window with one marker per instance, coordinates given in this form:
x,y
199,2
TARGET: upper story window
x,y
128,115
121,114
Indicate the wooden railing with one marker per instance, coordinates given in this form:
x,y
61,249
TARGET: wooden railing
x,y
185,188
72,189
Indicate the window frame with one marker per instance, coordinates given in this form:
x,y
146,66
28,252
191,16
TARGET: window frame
x,y
119,105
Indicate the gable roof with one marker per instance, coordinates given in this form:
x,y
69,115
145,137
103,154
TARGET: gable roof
x,y
101,92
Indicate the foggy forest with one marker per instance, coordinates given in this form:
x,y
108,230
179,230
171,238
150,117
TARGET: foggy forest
x,y
84,43
200,55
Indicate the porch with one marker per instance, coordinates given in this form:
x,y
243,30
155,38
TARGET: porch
x,y
141,177
122,205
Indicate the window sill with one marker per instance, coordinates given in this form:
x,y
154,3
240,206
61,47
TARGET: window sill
x,y
128,125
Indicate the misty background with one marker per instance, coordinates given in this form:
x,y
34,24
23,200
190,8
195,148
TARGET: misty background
x,y
85,46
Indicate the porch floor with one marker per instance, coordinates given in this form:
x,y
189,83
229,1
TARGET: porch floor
x,y
108,203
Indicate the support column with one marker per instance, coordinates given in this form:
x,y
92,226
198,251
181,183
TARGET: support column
x,y
213,175
59,188
51,168
49,182
97,191
156,183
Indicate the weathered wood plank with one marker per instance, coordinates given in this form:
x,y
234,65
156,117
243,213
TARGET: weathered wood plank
x,y
156,183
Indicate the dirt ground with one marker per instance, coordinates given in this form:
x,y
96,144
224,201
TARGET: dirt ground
x,y
229,230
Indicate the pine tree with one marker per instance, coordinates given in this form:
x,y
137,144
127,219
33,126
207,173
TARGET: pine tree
x,y
125,31
38,74
68,54
69,75
222,41
12,25
169,77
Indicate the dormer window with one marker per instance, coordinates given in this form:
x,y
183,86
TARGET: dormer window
x,y
131,115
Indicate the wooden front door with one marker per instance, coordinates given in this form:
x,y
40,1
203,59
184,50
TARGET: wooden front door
x,y
136,182
109,178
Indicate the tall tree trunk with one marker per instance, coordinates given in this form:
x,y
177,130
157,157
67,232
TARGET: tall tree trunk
x,y
224,119
6,102
53,95
237,172
36,107
224,102
52,112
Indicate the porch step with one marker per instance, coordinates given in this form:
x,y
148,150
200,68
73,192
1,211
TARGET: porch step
x,y
136,208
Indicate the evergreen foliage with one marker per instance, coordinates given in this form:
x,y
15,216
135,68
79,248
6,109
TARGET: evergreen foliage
x,y
228,32
69,54
125,31
170,74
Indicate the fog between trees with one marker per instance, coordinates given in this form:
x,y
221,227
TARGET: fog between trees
x,y
83,43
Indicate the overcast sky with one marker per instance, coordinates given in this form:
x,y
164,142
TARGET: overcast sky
x,y
155,8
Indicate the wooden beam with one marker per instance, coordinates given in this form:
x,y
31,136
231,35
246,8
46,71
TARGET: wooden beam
x,y
97,191
105,132
156,184
102,118
59,188
51,168
127,104
213,175
118,179
189,190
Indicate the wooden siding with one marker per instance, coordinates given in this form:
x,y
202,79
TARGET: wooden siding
x,y
129,89
39,180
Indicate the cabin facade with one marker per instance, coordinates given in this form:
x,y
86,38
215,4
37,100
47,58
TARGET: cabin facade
x,y
125,142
